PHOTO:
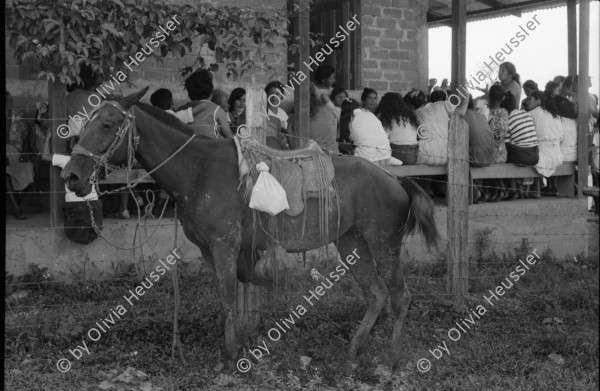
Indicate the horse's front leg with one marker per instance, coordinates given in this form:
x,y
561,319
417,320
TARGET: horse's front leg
x,y
225,254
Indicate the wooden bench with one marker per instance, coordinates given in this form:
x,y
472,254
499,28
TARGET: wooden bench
x,y
565,184
418,170
120,177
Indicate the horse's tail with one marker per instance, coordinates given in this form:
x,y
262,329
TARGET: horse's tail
x,y
420,213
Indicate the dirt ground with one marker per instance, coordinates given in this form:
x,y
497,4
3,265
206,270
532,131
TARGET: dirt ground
x,y
541,334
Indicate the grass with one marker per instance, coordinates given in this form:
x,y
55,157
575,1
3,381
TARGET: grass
x,y
541,335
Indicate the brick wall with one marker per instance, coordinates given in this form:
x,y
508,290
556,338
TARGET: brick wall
x,y
159,72
394,44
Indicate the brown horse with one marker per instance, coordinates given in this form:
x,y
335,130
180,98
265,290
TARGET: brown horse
x,y
375,210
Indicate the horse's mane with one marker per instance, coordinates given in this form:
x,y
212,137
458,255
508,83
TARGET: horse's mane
x,y
165,118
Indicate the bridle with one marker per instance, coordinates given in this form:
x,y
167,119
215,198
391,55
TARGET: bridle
x,y
126,130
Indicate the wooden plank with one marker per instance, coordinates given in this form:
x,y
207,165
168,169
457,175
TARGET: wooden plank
x,y
57,107
458,209
120,177
302,92
416,170
459,43
583,95
497,171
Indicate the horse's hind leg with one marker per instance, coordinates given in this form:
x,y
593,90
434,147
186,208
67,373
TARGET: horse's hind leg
x,y
373,288
400,298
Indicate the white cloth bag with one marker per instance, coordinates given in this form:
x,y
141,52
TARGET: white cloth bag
x,y
268,195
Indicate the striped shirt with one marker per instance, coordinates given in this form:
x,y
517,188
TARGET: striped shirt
x,y
521,130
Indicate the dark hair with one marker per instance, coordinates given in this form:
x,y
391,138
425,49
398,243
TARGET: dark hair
x,y
550,86
348,107
199,85
275,83
162,98
415,98
323,72
531,85
509,102
510,68
559,79
438,95
496,94
392,107
336,91
569,81
566,108
236,94
547,102
366,92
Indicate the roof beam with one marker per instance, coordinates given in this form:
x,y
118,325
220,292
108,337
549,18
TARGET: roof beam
x,y
497,4
526,5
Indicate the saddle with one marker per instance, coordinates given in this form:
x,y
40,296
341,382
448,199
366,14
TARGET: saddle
x,y
303,173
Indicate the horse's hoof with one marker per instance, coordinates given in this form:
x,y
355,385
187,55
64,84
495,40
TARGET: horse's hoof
x,y
350,366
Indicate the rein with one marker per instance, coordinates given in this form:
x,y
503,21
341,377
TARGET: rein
x,y
126,130
129,130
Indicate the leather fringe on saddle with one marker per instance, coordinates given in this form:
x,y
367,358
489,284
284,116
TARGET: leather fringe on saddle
x,y
302,177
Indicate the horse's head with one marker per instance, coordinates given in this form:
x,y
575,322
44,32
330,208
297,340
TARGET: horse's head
x,y
105,139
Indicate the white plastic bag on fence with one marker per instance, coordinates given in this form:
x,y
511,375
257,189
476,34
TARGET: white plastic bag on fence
x,y
268,195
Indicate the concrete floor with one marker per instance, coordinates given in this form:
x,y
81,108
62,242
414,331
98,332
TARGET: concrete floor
x,y
559,224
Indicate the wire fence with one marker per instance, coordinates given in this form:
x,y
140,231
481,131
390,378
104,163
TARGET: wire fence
x,y
29,305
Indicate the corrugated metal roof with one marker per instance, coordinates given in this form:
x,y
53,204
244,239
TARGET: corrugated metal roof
x,y
440,11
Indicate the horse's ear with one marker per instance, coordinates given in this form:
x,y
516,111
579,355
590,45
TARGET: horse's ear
x,y
132,99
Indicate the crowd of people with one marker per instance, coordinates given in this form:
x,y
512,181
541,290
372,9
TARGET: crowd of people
x,y
540,131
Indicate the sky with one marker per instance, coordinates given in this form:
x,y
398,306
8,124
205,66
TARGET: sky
x,y
540,56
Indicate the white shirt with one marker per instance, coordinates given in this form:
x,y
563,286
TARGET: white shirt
x,y
568,146
186,116
282,115
61,161
369,136
402,133
546,126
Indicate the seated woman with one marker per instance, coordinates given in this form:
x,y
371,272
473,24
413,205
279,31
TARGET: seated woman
x,y
521,144
237,109
367,133
550,133
400,124
369,99
481,147
322,126
338,96
345,144
434,120
19,172
211,121
278,118
568,146
498,121
324,80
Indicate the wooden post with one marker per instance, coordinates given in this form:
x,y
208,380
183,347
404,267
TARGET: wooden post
x,y
458,168
57,95
459,42
248,305
302,92
256,103
583,96
572,35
